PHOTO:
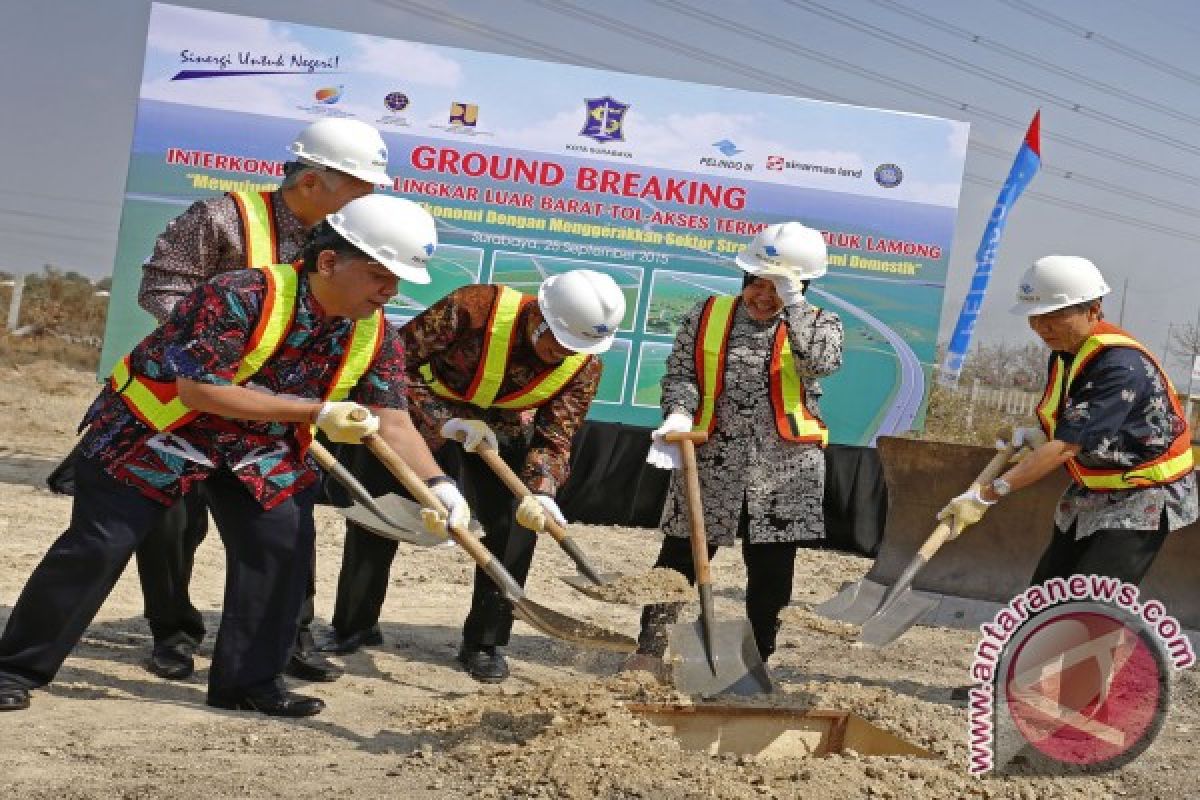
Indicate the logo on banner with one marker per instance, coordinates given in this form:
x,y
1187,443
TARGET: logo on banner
x,y
464,115
328,95
727,148
776,163
888,175
605,120
395,102
325,98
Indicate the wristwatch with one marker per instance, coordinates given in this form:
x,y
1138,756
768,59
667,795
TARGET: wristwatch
x,y
1001,487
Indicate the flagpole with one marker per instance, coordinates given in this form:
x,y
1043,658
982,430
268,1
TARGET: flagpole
x,y
1025,166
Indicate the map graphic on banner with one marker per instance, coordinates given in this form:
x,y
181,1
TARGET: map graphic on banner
x,y
532,169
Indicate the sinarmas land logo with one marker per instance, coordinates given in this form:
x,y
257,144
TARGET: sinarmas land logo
x,y
1074,676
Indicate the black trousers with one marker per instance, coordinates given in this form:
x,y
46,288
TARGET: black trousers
x,y
367,558
1123,554
268,570
164,563
770,567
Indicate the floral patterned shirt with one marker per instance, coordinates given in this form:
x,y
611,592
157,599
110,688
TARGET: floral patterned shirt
x,y
449,336
204,241
782,483
204,340
1119,412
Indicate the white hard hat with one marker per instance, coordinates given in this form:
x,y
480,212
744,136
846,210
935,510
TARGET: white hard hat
x,y
583,309
786,248
396,232
347,145
1055,282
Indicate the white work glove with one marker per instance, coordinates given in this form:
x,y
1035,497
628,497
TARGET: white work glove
x,y
966,509
473,432
790,291
533,510
334,419
458,513
663,454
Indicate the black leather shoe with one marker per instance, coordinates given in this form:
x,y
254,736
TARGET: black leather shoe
x,y
312,666
485,664
13,698
344,645
272,701
172,660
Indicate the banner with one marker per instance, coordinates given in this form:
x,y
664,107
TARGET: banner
x,y
532,169
1025,166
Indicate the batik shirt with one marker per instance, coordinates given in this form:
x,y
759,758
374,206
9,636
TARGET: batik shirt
x,y
204,241
1119,412
745,460
203,340
449,335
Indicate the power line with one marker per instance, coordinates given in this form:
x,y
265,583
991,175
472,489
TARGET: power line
x,y
991,75
1102,40
1041,63
809,53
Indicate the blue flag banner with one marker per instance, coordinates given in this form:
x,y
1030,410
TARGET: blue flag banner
x,y
1024,167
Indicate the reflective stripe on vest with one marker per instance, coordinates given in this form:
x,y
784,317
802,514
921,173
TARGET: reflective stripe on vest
x,y
258,228
157,403
1170,466
793,421
493,365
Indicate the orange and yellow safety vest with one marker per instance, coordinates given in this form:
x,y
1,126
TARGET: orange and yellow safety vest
x,y
793,420
157,403
257,218
1170,466
497,347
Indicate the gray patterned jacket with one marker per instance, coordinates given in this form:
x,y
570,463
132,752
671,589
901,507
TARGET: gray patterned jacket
x,y
782,482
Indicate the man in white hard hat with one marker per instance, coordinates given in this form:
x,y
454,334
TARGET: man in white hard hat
x,y
493,365
336,160
1109,415
745,369
224,395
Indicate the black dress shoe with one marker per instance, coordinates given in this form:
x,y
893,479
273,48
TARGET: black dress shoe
x,y
344,645
484,663
273,701
312,666
172,660
13,698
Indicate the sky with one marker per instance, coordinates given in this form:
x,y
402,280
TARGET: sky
x,y
1117,83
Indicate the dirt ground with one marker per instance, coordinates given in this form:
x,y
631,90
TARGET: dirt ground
x,y
406,722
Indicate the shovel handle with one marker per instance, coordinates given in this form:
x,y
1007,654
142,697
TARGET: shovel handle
x,y
691,476
425,496
945,530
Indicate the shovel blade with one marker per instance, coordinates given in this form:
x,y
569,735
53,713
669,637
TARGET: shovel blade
x,y
906,610
739,668
584,584
855,603
399,518
569,629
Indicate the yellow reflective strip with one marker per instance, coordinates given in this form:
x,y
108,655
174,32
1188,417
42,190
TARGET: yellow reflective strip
x,y
436,386
1049,405
792,394
550,386
259,249
712,344
286,283
358,356
160,415
495,360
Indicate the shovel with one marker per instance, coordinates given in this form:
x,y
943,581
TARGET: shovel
x,y
900,607
590,577
710,657
546,620
390,516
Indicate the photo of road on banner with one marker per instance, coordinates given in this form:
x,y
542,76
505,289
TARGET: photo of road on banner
x,y
1073,676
